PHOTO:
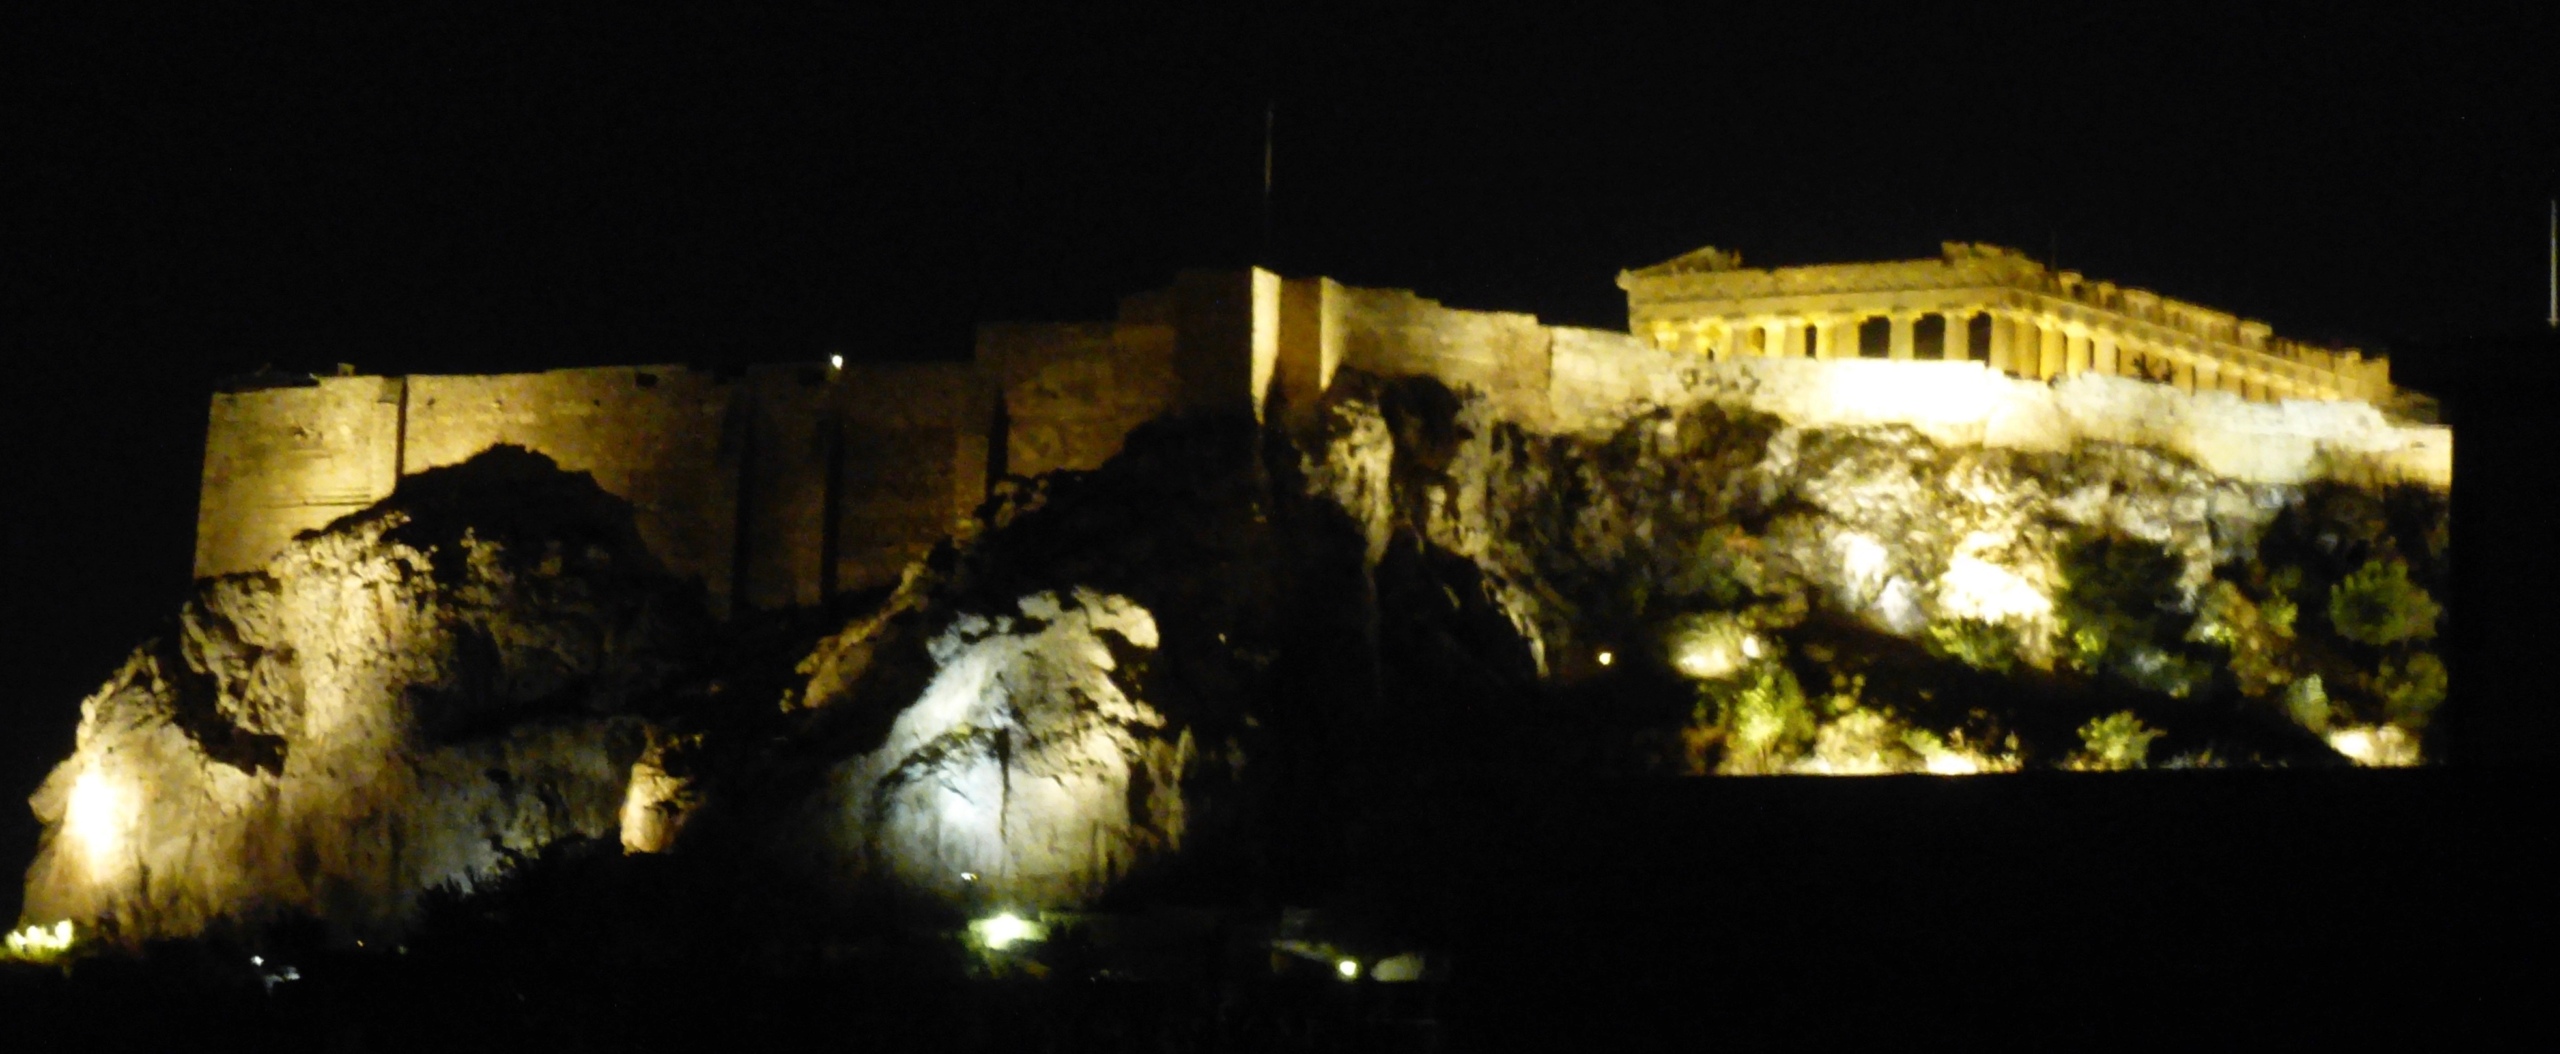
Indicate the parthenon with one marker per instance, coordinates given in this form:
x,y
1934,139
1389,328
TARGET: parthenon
x,y
1982,303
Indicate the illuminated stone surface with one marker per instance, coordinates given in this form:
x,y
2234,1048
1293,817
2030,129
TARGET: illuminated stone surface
x,y
396,702
1980,303
1273,518
1026,764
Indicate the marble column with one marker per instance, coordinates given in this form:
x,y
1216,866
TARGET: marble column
x,y
2075,351
2208,376
2049,350
1790,343
2102,354
1899,345
2186,376
1959,331
2003,359
1826,338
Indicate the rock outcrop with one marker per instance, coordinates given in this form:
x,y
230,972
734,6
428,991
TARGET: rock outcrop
x,y
403,700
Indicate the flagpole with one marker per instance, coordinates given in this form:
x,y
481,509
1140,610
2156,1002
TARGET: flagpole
x,y
1268,110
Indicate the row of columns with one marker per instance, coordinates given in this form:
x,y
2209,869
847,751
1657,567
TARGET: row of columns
x,y
2018,343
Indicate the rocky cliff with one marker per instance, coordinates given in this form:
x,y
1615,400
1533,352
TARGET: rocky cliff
x,y
1231,659
405,699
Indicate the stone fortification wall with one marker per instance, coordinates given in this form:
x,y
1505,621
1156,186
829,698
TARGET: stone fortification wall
x,y
792,483
1504,354
280,461
915,451
771,490
788,445
1072,391
652,435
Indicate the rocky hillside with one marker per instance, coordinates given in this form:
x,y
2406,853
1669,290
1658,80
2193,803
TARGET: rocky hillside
x,y
1235,661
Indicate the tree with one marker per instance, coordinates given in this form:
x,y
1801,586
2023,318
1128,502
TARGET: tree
x,y
2378,605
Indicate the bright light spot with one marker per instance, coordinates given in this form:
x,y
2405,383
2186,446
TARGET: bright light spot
x,y
2376,746
1397,968
1977,588
1004,930
1606,657
968,876
97,817
650,814
1862,561
1347,969
1703,649
835,361
1954,764
1751,645
1703,659
257,960
40,943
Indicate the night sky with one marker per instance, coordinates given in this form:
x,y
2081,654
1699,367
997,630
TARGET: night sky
x,y
198,195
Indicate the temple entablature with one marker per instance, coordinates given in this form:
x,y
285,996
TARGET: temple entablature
x,y
1982,303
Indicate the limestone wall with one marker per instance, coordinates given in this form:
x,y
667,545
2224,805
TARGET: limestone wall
x,y
914,461
280,461
652,435
782,486
1392,332
792,483
1226,339
1072,391
1312,328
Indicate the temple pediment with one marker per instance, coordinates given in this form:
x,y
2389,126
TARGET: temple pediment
x,y
1703,260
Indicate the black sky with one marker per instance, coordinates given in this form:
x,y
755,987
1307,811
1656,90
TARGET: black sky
x,y
199,194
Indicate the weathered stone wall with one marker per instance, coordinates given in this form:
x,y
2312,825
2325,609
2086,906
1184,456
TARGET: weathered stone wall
x,y
782,486
798,481
280,461
914,461
1226,338
731,480
1391,332
1312,328
652,435
1072,391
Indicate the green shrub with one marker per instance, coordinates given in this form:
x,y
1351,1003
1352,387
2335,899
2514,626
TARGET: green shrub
x,y
2278,613
1765,722
2411,689
2114,743
1977,643
2378,605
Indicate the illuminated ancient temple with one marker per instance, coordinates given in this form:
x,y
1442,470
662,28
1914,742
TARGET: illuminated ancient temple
x,y
1986,304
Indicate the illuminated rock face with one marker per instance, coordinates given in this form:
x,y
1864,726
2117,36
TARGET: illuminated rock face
x,y
1831,591
397,702
1028,773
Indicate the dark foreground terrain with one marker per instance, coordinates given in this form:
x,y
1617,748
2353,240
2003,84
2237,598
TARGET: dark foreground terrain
x,y
2204,908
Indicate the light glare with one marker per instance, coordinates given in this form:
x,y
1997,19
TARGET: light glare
x,y
95,816
1005,930
40,943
